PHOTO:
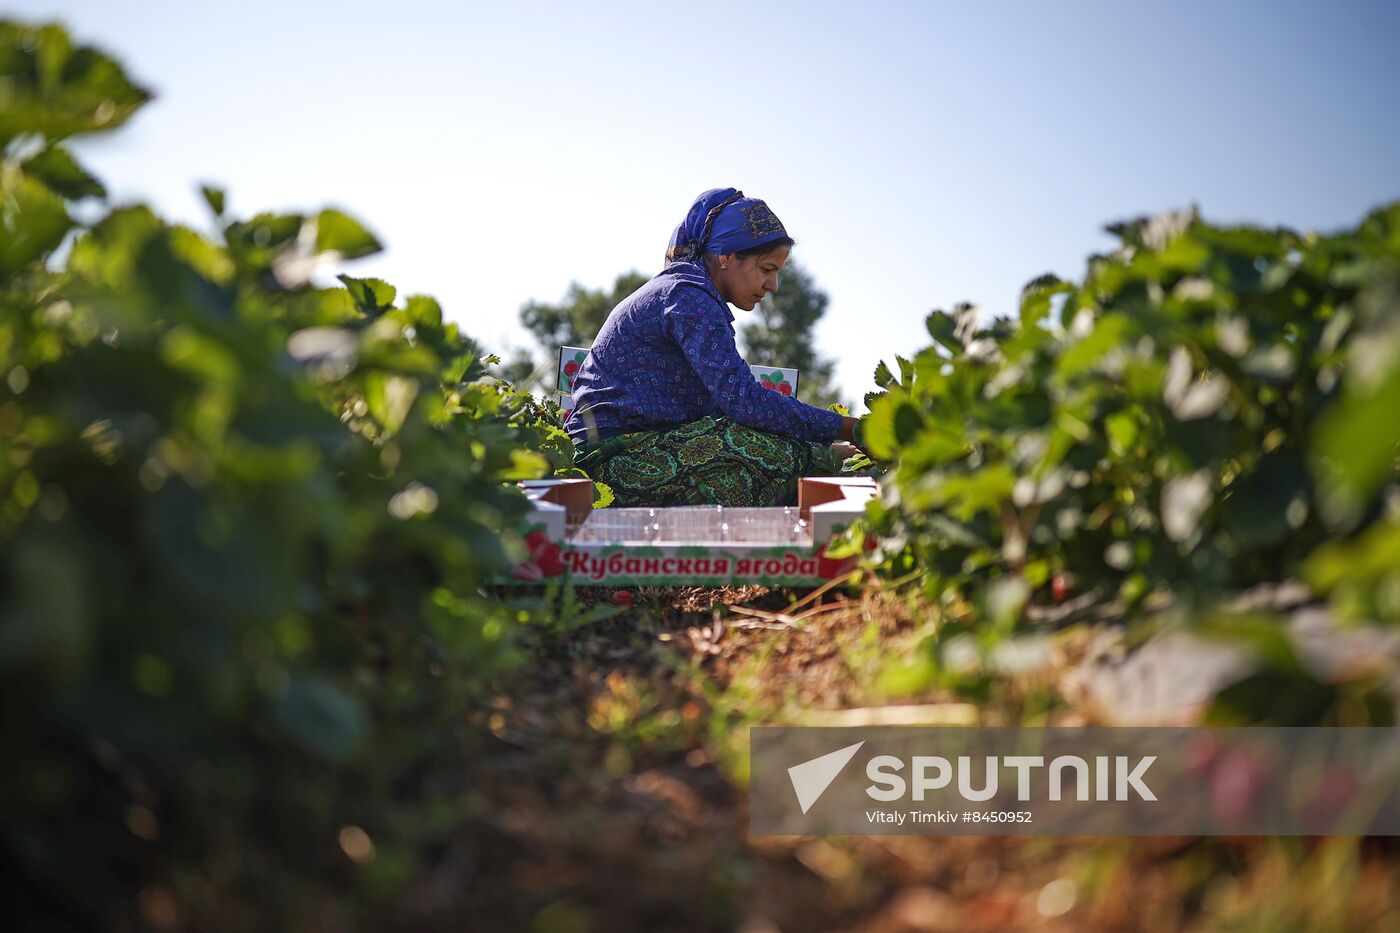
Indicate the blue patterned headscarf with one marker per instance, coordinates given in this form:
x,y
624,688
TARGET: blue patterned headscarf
x,y
723,221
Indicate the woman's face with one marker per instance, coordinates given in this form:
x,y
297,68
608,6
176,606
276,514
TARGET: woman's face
x,y
743,281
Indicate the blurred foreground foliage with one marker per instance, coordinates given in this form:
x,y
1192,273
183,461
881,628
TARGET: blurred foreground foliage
x,y
244,526
1210,409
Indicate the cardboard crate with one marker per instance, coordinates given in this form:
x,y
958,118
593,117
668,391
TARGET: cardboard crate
x,y
688,545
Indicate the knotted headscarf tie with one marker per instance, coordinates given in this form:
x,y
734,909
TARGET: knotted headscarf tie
x,y
723,221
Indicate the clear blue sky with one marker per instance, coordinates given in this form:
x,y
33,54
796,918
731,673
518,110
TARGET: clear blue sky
x,y
922,153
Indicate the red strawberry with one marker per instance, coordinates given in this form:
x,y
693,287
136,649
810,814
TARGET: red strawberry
x,y
768,385
623,597
570,368
785,388
1059,588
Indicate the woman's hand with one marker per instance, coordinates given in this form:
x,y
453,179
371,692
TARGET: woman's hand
x,y
853,432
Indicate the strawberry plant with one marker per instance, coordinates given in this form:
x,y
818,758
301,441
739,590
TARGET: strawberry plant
x,y
245,523
1209,408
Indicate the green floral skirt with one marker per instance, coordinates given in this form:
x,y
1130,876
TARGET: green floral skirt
x,y
712,461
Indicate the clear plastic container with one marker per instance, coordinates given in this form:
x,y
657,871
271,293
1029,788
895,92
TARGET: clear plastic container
x,y
695,525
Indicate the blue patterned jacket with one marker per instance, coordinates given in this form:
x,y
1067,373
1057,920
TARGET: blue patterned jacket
x,y
666,355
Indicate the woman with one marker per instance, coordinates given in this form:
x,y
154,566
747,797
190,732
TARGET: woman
x,y
665,410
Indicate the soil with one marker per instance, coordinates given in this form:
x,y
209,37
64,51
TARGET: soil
x,y
608,802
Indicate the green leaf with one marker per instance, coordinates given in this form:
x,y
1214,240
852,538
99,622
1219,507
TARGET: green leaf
x,y
1259,632
906,370
34,221
1357,446
54,89
1036,297
883,376
938,442
856,463
527,464
1109,333
1272,697
954,532
185,349
423,311
255,241
1372,555
372,296
1122,430
849,543
390,398
344,234
879,433
214,197
56,167
208,259
1154,233
943,329
899,677
108,254
603,495
52,48
966,495
907,423
1247,241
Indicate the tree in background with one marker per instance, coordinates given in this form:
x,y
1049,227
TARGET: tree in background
x,y
574,322
784,331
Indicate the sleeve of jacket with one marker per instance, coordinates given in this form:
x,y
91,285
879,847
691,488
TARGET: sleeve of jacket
x,y
705,335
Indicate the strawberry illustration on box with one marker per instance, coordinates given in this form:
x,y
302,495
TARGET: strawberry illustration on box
x,y
544,558
570,362
776,381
